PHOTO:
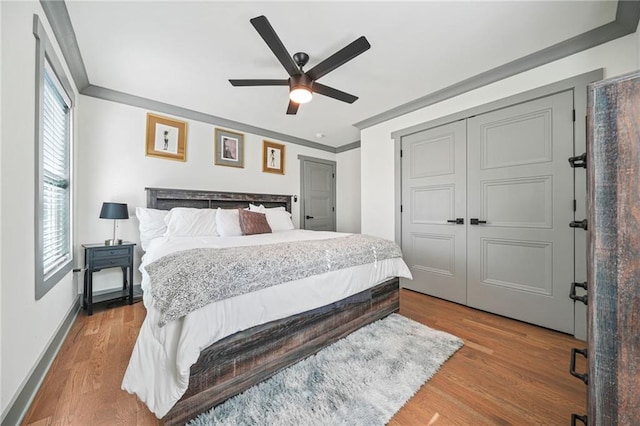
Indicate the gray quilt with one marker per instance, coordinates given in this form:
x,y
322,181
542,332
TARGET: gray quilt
x,y
184,281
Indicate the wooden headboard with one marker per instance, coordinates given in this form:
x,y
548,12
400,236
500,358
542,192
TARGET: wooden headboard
x,y
166,199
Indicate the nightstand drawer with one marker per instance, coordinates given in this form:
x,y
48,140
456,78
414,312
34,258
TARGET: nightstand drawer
x,y
111,261
111,252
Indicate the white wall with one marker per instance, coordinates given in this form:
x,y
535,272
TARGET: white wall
x,y
377,159
112,166
348,192
27,324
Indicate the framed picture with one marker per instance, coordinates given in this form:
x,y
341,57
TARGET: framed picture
x,y
229,148
272,157
166,138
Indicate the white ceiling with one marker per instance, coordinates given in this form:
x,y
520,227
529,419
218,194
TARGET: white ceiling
x,y
183,53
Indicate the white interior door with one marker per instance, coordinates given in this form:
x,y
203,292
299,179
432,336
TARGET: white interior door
x,y
520,262
433,195
318,201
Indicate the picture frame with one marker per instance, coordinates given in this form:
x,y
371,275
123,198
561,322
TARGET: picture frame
x,y
166,138
229,148
273,157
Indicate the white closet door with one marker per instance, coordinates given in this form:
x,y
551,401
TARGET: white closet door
x,y
520,262
433,193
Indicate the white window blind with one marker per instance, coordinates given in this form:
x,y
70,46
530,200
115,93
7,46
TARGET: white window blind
x,y
56,188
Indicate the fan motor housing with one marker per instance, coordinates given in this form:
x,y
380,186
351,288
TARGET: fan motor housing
x,y
300,81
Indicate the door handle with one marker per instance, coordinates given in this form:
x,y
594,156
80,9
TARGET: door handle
x,y
572,368
572,293
578,161
308,217
457,221
475,221
575,418
579,224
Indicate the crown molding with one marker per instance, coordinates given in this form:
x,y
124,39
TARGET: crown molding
x,y
150,104
348,147
625,23
58,17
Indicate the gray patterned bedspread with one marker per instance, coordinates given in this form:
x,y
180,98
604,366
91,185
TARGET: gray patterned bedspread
x,y
184,281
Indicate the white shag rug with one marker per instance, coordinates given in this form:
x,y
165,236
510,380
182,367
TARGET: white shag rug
x,y
362,379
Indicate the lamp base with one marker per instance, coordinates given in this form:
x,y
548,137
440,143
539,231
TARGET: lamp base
x,y
112,242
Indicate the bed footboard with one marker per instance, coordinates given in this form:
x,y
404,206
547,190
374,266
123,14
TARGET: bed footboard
x,y
235,363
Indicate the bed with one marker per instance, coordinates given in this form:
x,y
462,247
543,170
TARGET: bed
x,y
242,359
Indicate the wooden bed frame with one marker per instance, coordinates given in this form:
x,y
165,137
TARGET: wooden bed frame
x,y
237,362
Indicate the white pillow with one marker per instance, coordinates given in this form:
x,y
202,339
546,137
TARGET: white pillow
x,y
262,209
151,224
228,221
254,208
279,219
190,222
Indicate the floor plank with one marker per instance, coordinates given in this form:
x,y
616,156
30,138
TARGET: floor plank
x,y
508,372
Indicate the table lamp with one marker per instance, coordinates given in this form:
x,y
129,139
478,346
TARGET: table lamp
x,y
114,211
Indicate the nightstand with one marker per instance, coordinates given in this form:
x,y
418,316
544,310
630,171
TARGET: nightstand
x,y
98,257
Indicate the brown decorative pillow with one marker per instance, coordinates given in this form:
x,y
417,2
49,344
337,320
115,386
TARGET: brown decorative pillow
x,y
253,222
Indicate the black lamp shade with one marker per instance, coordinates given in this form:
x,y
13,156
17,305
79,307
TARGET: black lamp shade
x,y
114,211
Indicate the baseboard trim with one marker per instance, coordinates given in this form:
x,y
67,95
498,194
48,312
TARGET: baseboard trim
x,y
17,409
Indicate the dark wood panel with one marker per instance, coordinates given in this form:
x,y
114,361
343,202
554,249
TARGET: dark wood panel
x,y
167,198
614,251
238,362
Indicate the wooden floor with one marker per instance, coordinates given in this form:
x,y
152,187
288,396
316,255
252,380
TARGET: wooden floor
x,y
507,372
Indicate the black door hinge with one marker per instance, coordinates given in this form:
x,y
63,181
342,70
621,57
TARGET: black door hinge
x,y
574,115
333,175
400,153
575,205
400,208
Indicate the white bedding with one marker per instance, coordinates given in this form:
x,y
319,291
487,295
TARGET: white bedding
x,y
158,370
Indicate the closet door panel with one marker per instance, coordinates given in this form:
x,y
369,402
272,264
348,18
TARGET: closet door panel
x,y
433,193
520,262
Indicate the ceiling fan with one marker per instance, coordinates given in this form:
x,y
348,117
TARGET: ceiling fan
x,y
303,84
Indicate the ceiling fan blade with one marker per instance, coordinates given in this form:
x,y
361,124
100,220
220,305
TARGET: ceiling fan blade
x,y
342,56
333,93
259,82
292,109
266,31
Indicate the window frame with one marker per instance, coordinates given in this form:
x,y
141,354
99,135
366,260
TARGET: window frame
x,y
47,58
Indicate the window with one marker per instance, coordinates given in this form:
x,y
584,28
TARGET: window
x,y
56,197
54,244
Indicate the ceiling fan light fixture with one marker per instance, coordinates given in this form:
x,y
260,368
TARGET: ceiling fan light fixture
x,y
300,95
300,88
